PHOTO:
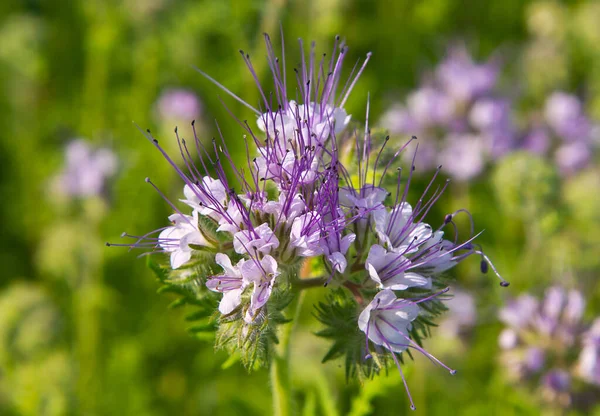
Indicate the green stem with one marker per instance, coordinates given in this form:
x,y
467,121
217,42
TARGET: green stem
x,y
301,284
281,384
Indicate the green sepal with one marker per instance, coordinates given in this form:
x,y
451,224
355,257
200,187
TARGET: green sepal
x,y
254,341
339,314
208,228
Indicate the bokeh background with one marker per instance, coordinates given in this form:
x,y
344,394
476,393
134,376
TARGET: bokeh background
x,y
82,329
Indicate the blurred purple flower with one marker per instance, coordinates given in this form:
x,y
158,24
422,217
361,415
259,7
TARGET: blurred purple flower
x,y
426,158
463,156
540,334
430,107
461,315
557,380
179,104
537,141
464,79
398,120
455,113
564,113
490,114
535,359
588,366
86,169
572,157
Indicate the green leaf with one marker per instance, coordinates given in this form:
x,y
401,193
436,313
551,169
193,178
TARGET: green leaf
x,y
202,327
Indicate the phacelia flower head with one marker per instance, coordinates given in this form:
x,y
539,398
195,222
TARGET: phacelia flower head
x,y
249,231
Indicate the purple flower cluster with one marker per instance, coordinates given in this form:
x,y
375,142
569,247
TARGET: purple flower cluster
x,y
566,132
463,122
546,342
294,200
86,169
459,119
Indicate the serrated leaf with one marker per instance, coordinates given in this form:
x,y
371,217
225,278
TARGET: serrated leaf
x,y
177,303
203,327
233,359
199,314
161,272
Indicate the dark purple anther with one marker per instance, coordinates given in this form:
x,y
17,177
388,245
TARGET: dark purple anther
x,y
484,267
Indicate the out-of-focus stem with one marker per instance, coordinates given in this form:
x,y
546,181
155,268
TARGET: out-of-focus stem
x,y
281,384
308,283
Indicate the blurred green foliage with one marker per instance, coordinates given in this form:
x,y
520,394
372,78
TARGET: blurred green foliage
x,y
82,330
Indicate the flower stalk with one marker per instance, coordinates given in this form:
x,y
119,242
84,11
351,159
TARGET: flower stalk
x,y
281,381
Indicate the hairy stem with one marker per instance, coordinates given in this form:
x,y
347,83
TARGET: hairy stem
x,y
281,385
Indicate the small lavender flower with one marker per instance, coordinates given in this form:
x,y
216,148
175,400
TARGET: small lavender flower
x,y
492,118
179,104
178,239
231,283
86,170
387,321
